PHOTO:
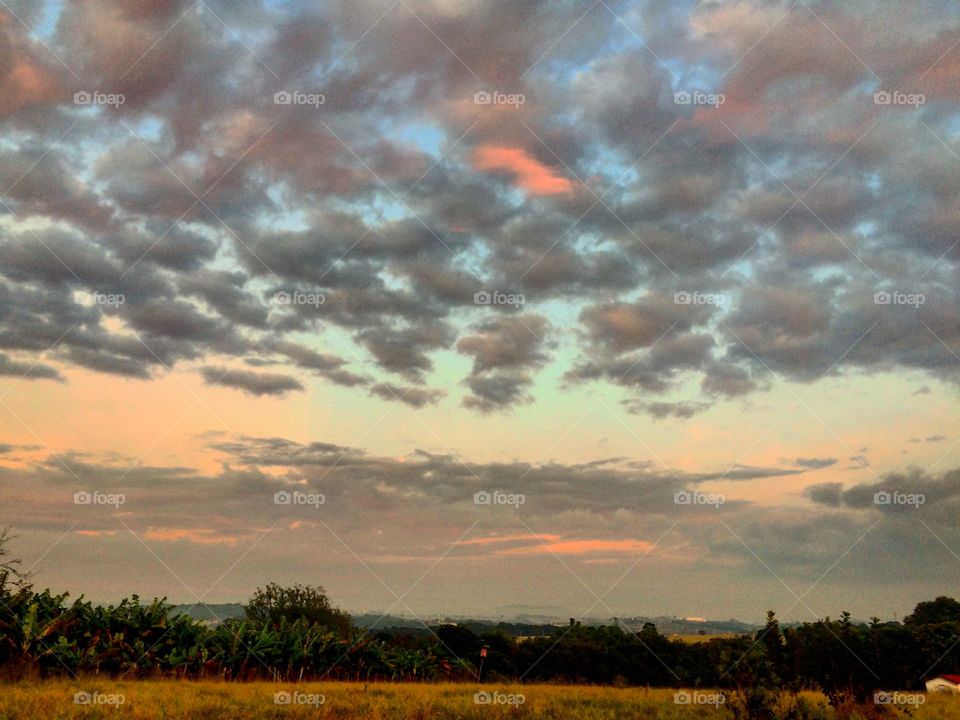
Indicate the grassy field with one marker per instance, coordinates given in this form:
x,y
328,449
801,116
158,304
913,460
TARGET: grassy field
x,y
185,700
694,638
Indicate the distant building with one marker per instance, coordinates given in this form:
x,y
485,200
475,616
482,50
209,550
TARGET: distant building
x,y
696,619
944,684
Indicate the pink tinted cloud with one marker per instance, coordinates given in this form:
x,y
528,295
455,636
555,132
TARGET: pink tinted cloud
x,y
531,175
198,536
497,539
26,84
549,543
581,547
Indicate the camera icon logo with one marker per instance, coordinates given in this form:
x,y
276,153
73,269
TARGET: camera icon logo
x,y
482,298
482,498
282,498
682,497
282,698
882,498
482,698
82,698
82,97
682,298
282,98
482,97
282,297
882,697
882,298
882,97
682,698
682,98
82,498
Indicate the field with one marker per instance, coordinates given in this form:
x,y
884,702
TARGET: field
x,y
694,638
185,700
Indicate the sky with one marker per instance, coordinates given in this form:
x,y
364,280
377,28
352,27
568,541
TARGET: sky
x,y
579,309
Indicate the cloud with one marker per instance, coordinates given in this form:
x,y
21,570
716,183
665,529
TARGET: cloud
x,y
28,370
623,326
27,80
582,547
410,395
940,494
506,343
815,463
506,351
830,494
197,536
530,174
251,382
661,410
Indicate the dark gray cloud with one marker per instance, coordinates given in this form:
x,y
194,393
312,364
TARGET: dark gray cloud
x,y
506,351
815,463
28,370
913,491
251,382
411,395
661,410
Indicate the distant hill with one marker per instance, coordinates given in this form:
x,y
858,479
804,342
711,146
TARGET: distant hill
x,y
212,613
521,625
544,625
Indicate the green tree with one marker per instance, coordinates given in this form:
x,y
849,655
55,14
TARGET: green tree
x,y
933,612
774,644
274,603
11,576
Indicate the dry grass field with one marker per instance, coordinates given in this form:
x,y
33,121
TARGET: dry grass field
x,y
185,700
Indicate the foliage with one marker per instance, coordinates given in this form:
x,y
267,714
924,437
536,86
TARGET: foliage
x,y
11,576
272,604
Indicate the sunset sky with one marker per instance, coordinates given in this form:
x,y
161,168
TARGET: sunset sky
x,y
594,258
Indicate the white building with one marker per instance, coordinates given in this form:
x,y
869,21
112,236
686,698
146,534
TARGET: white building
x,y
944,684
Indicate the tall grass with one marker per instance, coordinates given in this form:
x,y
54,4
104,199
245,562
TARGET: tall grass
x,y
213,700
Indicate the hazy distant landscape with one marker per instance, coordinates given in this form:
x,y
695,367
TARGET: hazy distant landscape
x,y
514,625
